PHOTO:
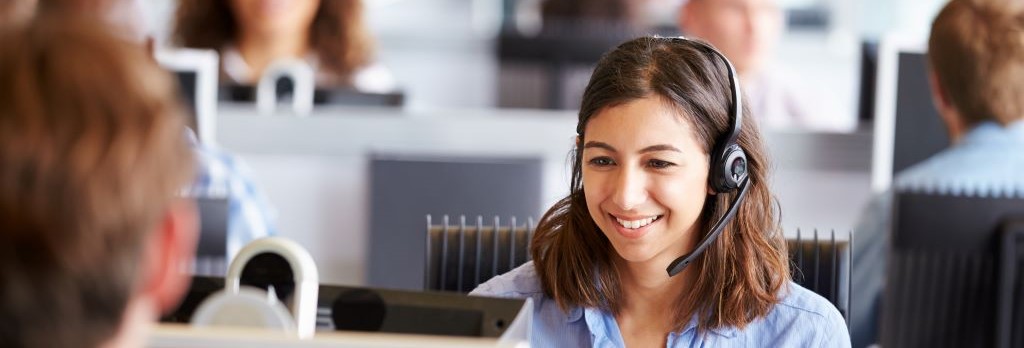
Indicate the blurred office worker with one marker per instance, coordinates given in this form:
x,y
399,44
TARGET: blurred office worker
x,y
976,62
747,31
93,231
658,162
251,35
619,14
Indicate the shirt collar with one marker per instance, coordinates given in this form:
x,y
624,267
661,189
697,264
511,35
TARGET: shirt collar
x,y
597,320
989,132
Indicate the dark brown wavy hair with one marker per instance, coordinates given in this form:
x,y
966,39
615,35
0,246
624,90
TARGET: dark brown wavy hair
x,y
740,276
338,34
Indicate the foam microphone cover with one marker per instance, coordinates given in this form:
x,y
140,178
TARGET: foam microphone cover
x,y
358,310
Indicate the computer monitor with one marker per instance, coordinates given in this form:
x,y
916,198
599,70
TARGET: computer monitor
x,y
908,129
196,72
868,73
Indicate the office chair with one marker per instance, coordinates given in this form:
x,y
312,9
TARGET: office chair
x,y
458,257
461,256
821,263
953,277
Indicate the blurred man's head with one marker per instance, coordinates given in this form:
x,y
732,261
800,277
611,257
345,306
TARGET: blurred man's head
x,y
125,16
16,12
93,154
976,56
745,30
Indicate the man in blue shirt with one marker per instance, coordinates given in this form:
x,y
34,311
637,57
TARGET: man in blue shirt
x,y
220,174
976,58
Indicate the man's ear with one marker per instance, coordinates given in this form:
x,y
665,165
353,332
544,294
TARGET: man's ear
x,y
170,249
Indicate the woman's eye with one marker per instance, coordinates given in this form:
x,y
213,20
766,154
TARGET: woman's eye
x,y
601,161
659,164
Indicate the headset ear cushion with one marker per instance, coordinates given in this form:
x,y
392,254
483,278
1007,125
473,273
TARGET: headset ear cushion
x,y
731,169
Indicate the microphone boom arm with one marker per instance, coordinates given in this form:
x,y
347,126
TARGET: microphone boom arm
x,y
680,263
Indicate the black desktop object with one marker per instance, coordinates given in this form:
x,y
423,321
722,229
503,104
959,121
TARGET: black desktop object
x,y
187,87
352,308
212,250
868,75
321,96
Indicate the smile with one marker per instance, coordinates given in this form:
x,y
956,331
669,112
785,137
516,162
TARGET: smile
x,y
635,224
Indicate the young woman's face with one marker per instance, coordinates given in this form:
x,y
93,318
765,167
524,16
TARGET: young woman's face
x,y
645,178
274,17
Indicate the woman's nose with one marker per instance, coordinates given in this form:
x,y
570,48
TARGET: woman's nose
x,y
630,189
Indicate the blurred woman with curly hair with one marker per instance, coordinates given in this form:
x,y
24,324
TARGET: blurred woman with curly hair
x,y
251,34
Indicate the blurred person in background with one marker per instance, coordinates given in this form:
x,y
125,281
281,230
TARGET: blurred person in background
x,y
218,172
93,231
747,31
588,16
976,64
251,35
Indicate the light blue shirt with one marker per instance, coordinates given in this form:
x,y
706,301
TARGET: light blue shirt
x,y
220,174
988,160
801,319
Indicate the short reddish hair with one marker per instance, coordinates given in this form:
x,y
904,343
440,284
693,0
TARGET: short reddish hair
x,y
976,50
92,153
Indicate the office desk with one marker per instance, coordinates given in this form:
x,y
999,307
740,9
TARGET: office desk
x,y
183,336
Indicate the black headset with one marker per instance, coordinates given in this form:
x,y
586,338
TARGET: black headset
x,y
728,165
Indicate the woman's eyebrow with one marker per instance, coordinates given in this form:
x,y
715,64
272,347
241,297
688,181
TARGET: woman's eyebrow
x,y
660,147
652,148
600,145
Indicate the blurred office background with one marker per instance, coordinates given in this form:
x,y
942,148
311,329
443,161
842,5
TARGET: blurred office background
x,y
443,51
466,106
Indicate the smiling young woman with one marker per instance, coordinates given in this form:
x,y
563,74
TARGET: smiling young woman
x,y
641,196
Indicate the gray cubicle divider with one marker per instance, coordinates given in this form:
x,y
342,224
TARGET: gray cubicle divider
x,y
404,189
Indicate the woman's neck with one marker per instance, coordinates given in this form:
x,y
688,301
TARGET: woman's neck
x,y
259,51
649,303
647,287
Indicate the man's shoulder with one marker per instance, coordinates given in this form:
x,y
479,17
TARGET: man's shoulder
x,y
965,165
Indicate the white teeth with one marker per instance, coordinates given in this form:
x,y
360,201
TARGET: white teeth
x,y
635,224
